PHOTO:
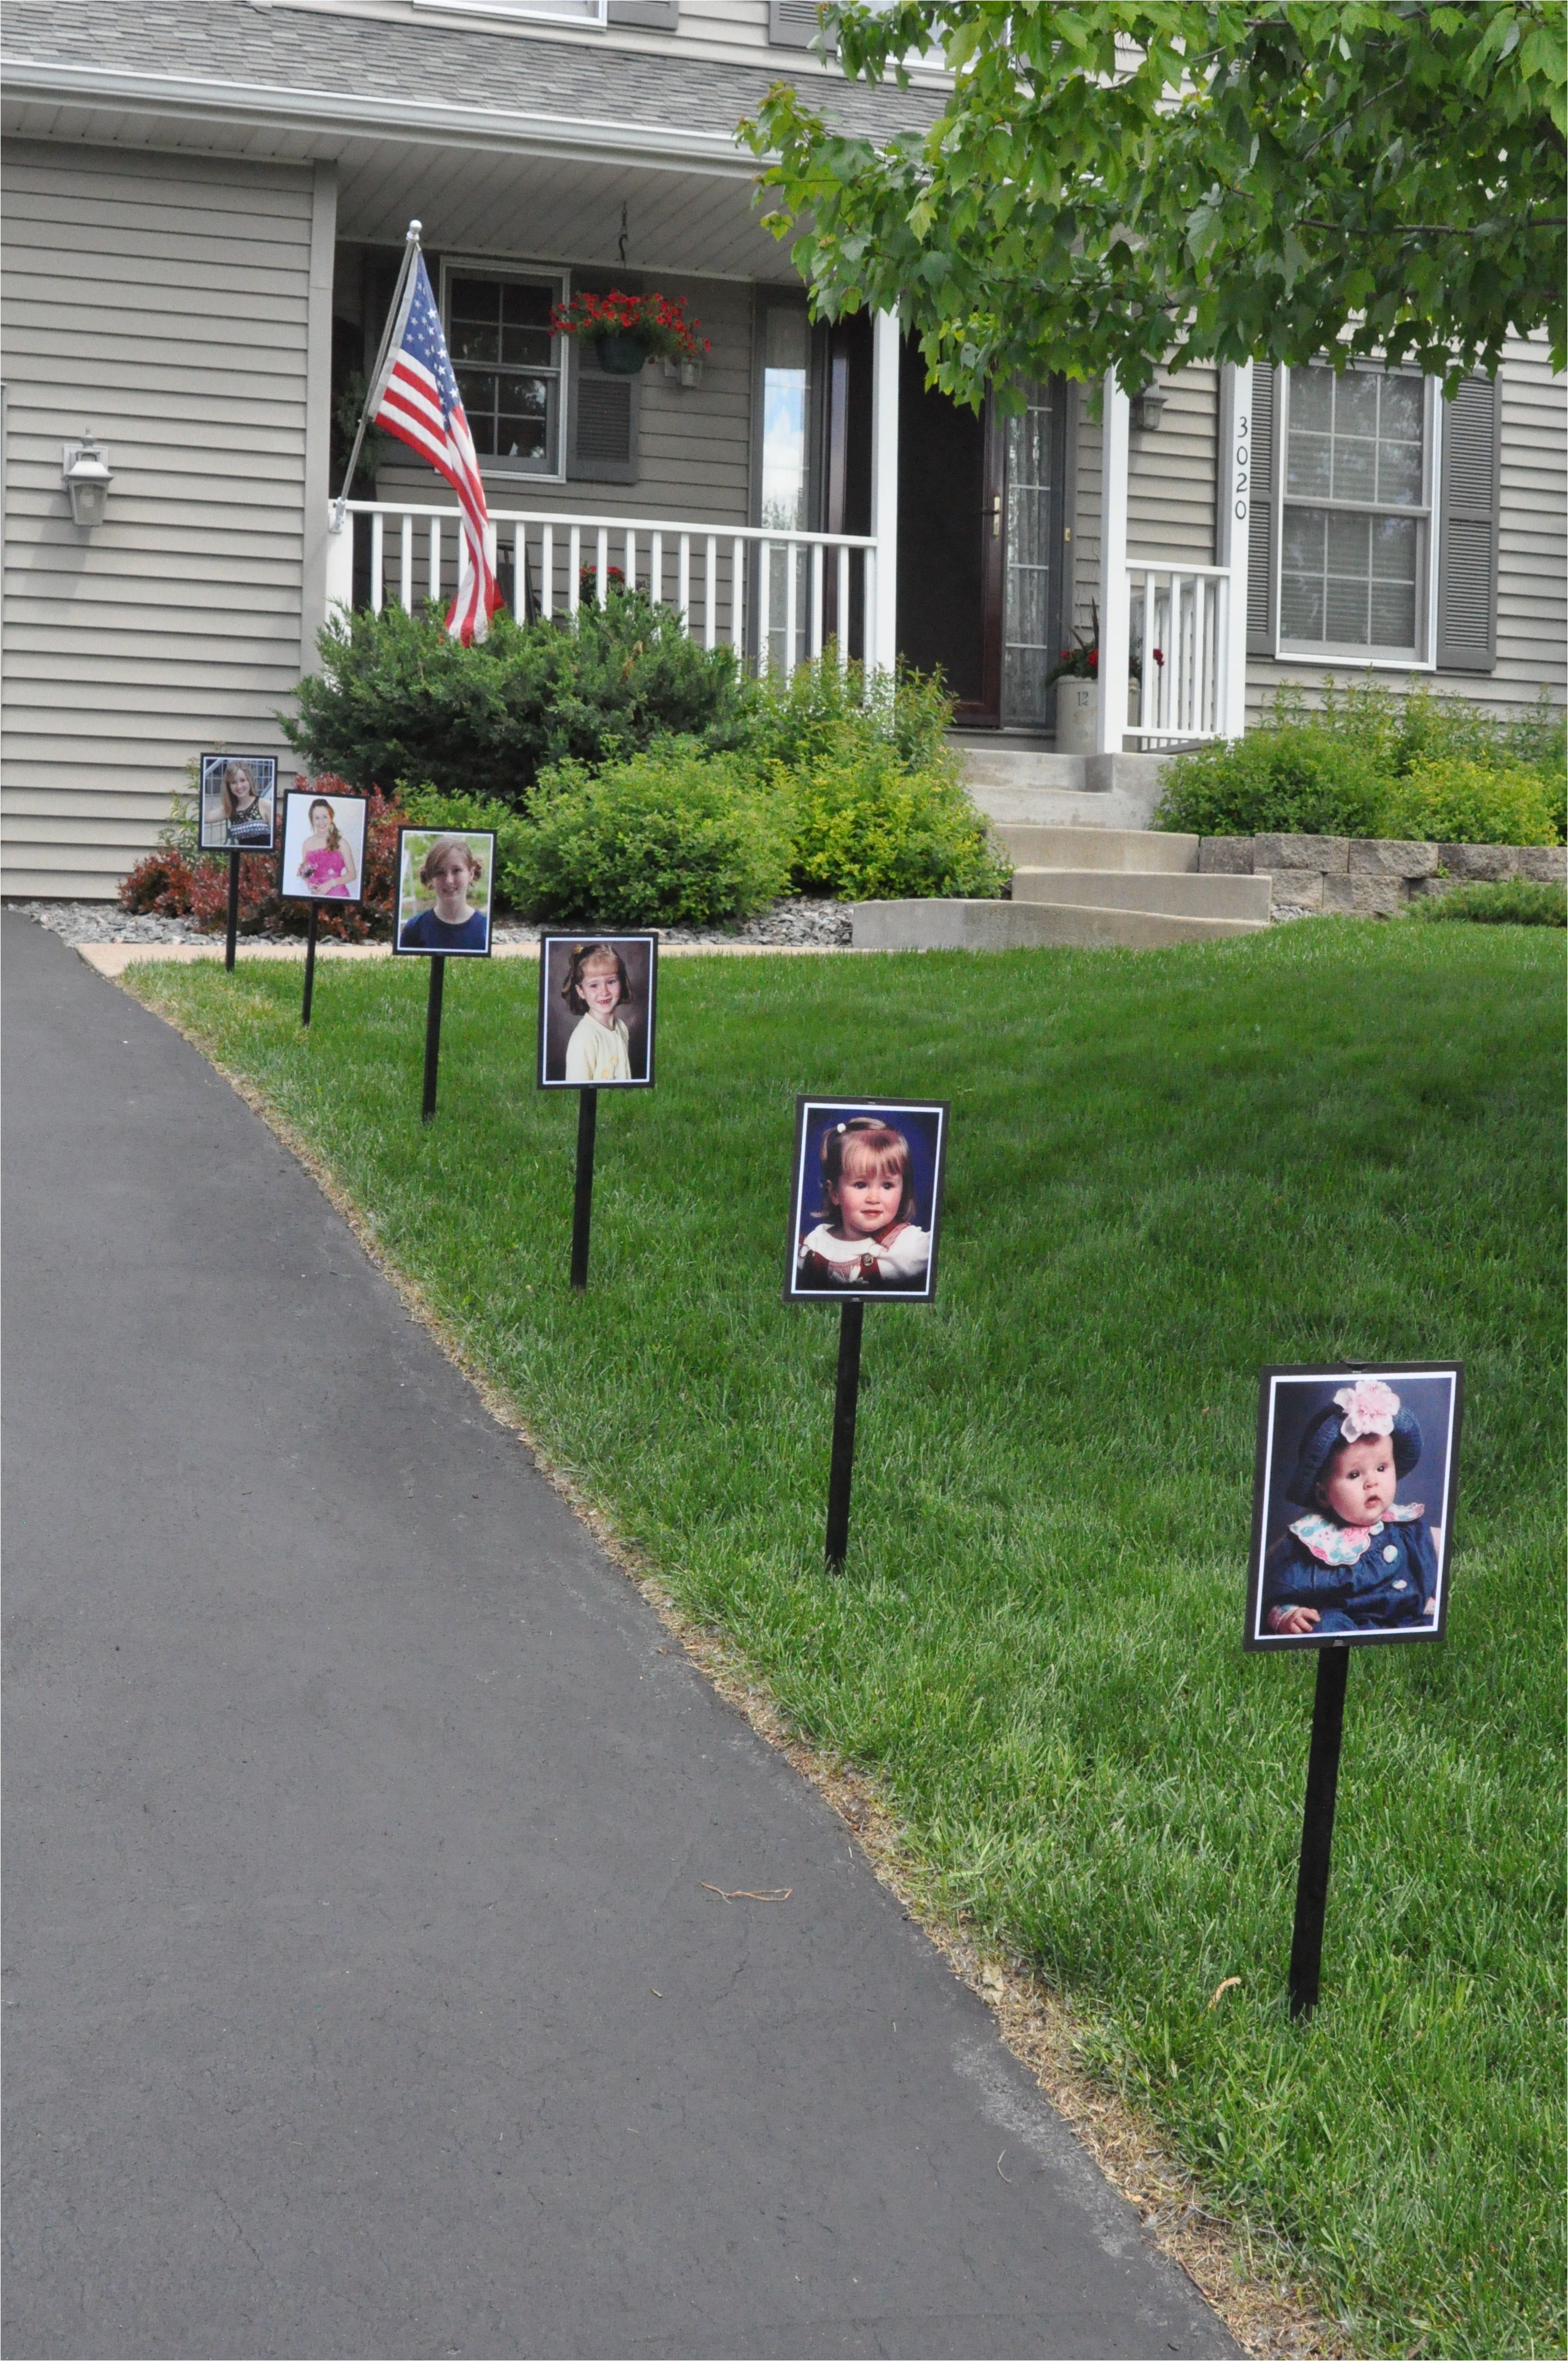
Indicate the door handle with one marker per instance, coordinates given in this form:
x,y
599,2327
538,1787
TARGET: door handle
x,y
996,516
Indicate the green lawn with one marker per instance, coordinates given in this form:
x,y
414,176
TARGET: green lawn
x,y
1337,1139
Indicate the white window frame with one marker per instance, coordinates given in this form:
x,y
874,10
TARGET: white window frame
x,y
485,266
1340,652
587,15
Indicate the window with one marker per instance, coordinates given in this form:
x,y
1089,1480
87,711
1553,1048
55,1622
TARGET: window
x,y
1355,537
508,368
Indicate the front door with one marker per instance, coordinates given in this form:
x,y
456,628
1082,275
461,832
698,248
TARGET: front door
x,y
949,543
1030,494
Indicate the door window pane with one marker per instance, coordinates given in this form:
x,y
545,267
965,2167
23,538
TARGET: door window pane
x,y
1031,597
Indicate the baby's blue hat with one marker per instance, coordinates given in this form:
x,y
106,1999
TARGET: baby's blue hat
x,y
1323,1438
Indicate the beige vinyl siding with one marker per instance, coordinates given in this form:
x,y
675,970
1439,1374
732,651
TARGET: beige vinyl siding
x,y
162,300
694,442
1532,560
1085,481
1171,474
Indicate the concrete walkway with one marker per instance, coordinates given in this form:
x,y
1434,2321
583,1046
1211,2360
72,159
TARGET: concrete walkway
x,y
363,1995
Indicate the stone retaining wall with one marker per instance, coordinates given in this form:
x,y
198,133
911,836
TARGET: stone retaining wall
x,y
1372,876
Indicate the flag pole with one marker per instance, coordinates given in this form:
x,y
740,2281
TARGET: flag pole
x,y
410,247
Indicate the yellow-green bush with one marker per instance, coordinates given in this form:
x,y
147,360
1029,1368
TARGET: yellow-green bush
x,y
1455,801
868,829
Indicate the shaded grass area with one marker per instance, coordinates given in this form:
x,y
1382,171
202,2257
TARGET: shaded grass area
x,y
1167,1169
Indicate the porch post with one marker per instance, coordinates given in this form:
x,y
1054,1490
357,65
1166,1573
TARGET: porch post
x,y
1233,511
882,624
338,585
1114,638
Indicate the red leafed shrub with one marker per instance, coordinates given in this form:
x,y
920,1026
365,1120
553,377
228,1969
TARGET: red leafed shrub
x,y
174,884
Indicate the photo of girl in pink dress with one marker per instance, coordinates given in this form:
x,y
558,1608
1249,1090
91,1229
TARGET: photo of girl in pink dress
x,y
324,847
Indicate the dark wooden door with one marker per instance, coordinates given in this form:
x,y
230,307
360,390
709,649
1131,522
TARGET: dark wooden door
x,y
950,541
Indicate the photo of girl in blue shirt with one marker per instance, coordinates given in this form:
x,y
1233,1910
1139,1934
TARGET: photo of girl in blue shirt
x,y
1358,1560
452,871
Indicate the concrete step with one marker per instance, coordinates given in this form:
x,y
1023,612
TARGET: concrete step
x,y
939,926
1032,847
1174,895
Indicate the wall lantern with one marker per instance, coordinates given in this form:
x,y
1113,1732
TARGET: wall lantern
x,y
1145,410
85,469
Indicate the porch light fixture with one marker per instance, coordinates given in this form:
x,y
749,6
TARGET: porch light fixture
x,y
1145,410
84,467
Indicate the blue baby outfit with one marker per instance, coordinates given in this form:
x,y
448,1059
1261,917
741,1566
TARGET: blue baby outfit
x,y
1373,1588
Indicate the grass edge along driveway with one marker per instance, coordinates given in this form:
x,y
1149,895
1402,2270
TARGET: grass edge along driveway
x,y
1338,1139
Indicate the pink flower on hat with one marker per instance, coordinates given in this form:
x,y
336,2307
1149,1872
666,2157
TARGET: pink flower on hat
x,y
1370,1407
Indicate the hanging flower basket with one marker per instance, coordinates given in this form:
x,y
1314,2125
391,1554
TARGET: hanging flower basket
x,y
629,330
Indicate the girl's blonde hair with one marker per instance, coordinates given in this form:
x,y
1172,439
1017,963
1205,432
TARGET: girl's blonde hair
x,y
320,803
441,848
874,1143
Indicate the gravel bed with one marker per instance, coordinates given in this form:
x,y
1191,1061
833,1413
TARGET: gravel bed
x,y
788,923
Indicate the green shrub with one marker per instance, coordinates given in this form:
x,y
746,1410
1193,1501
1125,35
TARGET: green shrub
x,y
1291,779
826,710
868,829
673,837
427,806
396,699
1514,901
1456,801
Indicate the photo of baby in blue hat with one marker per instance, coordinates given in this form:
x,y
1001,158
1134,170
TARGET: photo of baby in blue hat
x,y
1353,1506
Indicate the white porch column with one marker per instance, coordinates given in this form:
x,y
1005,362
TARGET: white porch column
x,y
882,624
1233,512
337,589
1114,637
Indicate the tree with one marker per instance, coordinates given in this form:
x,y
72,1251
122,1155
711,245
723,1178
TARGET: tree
x,y
1146,186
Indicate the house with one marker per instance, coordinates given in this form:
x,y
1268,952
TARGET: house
x,y
205,212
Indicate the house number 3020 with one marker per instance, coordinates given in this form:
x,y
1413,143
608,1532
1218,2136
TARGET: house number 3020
x,y
1242,485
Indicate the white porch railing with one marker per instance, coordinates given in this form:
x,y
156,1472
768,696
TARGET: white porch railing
x,y
778,597
1178,619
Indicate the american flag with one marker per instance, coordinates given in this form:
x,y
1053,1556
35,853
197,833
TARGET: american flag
x,y
416,397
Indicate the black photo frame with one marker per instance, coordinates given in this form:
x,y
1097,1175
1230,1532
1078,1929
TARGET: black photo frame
x,y
1296,1399
414,902
922,1124
350,815
562,1019
216,831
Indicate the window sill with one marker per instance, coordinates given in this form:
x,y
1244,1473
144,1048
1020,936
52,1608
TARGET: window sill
x,y
1361,658
510,12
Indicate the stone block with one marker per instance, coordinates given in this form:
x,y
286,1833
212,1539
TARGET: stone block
x,y
1297,891
1329,854
1391,856
1483,863
1547,863
1225,856
1363,896
1421,886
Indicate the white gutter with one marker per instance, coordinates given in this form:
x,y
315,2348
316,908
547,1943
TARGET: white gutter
x,y
333,113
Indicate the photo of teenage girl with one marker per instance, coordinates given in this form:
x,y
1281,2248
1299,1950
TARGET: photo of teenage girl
x,y
444,892
237,802
324,847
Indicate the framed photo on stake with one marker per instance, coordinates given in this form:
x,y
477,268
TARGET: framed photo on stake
x,y
445,878
238,803
1353,1504
323,847
597,1001
865,1200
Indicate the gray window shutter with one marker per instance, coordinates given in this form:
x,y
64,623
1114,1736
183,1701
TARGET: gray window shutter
x,y
656,16
1467,530
602,443
793,24
1260,526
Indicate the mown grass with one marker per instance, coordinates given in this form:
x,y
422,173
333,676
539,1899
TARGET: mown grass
x,y
1167,1168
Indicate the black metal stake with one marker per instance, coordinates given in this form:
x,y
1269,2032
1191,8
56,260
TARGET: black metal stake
x,y
583,1200
1317,1829
433,1034
231,936
846,1400
310,964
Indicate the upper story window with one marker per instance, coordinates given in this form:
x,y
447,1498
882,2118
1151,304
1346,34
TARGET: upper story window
x,y
508,367
556,12
1354,543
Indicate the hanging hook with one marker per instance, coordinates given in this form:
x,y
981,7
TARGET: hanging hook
x,y
623,232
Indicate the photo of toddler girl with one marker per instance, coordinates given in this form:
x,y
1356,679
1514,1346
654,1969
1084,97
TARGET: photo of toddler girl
x,y
324,847
595,1011
858,1222
1355,1561
443,892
